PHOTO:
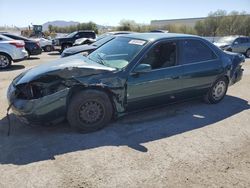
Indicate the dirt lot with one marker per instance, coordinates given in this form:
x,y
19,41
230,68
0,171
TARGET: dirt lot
x,y
185,145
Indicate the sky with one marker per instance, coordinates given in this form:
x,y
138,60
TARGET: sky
x,y
109,12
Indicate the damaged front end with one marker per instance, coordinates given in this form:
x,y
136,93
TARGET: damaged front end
x,y
41,95
41,101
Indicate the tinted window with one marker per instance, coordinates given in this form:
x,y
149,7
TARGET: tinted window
x,y
87,35
16,37
244,40
161,56
196,51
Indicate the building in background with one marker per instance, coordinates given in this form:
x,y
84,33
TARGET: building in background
x,y
184,21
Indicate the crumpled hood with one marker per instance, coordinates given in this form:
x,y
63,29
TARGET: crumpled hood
x,y
81,48
73,66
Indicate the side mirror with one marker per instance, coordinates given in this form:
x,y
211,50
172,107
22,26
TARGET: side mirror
x,y
142,68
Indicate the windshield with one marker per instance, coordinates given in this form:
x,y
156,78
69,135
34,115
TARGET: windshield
x,y
71,34
117,53
102,41
227,40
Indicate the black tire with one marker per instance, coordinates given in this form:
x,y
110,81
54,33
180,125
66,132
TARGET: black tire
x,y
248,53
89,110
5,61
217,92
64,46
48,48
28,54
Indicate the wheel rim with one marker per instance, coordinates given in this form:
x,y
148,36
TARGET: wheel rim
x,y
91,112
4,61
48,48
219,90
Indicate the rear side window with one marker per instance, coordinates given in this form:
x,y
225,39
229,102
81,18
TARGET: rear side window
x,y
244,40
196,51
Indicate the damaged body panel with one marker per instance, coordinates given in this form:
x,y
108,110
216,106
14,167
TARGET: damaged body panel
x,y
127,73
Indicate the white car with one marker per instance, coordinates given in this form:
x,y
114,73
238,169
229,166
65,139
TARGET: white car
x,y
11,51
82,41
45,44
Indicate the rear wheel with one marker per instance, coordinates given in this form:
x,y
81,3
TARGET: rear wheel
x,y
48,48
217,92
89,110
64,46
5,61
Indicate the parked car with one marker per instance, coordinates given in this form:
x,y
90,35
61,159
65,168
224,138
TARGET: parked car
x,y
46,44
88,48
128,73
31,46
159,31
68,41
238,44
11,51
83,41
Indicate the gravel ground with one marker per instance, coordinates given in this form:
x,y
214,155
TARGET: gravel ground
x,y
184,145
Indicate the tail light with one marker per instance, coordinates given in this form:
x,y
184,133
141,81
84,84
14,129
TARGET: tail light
x,y
37,43
18,44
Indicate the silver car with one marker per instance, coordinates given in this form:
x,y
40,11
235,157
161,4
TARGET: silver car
x,y
238,44
11,51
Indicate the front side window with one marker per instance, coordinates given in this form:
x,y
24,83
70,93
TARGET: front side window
x,y
118,53
161,56
196,51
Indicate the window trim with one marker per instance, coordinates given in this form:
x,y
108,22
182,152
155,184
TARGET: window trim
x,y
196,39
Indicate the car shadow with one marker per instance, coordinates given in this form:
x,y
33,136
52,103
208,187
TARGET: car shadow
x,y
54,53
33,58
13,68
27,145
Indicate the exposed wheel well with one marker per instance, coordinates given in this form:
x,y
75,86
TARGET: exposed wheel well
x,y
227,78
76,89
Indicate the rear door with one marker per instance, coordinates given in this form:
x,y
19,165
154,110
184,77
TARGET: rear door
x,y
201,66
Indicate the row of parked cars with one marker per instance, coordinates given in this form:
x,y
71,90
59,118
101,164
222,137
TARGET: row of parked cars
x,y
121,73
15,48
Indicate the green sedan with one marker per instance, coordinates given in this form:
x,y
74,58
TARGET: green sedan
x,y
128,73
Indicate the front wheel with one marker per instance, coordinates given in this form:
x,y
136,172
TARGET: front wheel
x,y
217,92
89,110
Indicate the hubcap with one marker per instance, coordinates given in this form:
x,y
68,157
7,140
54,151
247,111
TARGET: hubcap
x,y
48,48
91,112
219,90
4,61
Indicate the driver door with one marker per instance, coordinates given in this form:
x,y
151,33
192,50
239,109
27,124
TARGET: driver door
x,y
159,85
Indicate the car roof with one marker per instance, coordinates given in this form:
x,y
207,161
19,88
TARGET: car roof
x,y
158,36
5,37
